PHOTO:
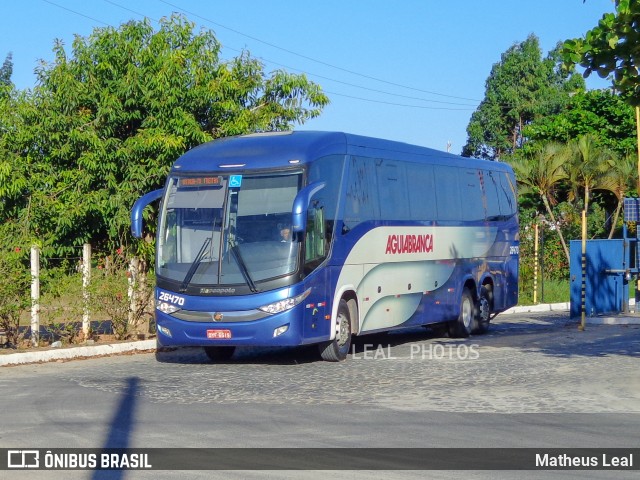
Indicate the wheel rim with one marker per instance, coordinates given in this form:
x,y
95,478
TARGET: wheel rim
x,y
483,309
467,312
343,333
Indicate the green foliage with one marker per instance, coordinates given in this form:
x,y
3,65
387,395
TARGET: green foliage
x,y
5,76
113,284
611,48
603,114
61,301
539,171
15,281
521,88
107,120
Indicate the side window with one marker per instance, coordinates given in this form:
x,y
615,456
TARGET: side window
x,y
321,214
392,190
471,192
447,192
422,201
315,242
328,170
491,189
360,201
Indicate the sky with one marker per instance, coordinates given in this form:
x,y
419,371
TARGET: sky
x,y
406,70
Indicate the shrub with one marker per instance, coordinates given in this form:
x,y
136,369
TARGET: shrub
x,y
15,298
113,284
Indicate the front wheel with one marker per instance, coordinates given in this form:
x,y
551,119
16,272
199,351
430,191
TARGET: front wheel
x,y
338,348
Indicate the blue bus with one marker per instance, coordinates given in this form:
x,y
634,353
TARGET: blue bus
x,y
296,238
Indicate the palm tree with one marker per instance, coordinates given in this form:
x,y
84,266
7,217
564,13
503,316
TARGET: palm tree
x,y
618,180
588,163
539,172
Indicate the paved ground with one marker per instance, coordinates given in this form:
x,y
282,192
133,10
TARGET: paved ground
x,y
528,364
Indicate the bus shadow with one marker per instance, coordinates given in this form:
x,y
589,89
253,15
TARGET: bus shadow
x,y
242,355
294,355
557,337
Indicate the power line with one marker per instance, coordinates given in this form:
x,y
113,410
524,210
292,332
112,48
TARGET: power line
x,y
369,89
132,11
76,13
291,68
399,104
306,57
303,71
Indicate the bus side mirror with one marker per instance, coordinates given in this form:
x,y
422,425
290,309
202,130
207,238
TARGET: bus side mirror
x,y
138,207
301,204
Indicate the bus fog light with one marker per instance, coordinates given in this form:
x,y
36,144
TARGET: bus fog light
x,y
165,331
280,330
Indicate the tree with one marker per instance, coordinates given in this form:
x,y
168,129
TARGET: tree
x,y
106,122
539,172
5,77
521,87
6,70
621,171
587,164
612,47
603,114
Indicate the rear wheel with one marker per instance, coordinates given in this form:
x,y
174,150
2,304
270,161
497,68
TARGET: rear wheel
x,y
483,311
466,322
218,354
338,348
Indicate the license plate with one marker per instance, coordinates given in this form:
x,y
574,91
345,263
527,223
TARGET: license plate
x,y
218,334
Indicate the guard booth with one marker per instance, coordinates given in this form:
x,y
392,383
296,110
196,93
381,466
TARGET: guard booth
x,y
610,264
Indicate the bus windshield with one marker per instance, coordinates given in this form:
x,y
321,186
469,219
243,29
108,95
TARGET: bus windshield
x,y
227,230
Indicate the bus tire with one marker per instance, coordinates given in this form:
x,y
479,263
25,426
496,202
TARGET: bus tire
x,y
465,324
219,354
483,311
337,349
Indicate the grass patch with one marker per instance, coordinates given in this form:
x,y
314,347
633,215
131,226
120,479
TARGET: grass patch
x,y
551,291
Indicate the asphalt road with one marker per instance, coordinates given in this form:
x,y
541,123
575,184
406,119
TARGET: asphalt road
x,y
533,381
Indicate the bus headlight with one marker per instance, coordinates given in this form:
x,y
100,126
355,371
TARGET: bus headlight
x,y
286,304
165,307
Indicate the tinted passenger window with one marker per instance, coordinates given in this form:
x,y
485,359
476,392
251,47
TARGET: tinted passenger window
x,y
507,195
447,192
491,189
361,202
392,188
422,198
471,192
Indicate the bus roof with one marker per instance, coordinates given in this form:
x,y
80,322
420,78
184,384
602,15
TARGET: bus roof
x,y
286,149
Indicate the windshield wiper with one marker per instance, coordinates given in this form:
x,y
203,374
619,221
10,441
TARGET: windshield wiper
x,y
242,266
194,266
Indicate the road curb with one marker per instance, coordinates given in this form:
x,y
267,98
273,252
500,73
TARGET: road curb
x,y
20,358
618,320
543,307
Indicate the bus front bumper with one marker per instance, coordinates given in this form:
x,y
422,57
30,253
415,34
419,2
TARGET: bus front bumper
x,y
282,329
